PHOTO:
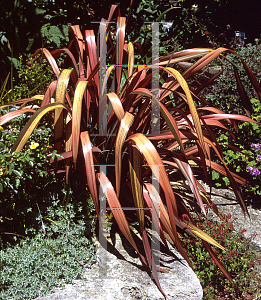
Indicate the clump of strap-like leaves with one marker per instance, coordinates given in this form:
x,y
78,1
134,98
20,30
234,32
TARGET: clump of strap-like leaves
x,y
105,105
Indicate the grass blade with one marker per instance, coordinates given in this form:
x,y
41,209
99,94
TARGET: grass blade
x,y
135,167
120,35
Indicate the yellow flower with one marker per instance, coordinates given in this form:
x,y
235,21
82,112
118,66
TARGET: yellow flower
x,y
33,145
1,172
1,128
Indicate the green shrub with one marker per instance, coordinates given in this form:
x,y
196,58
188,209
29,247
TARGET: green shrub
x,y
34,74
185,24
242,155
27,182
224,94
224,91
45,223
29,188
238,259
54,256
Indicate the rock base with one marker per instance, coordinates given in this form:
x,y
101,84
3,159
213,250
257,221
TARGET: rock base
x,y
119,274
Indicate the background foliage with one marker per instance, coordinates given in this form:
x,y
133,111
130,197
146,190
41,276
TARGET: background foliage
x,y
225,95
195,23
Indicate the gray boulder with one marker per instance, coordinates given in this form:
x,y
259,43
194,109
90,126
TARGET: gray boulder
x,y
226,201
119,274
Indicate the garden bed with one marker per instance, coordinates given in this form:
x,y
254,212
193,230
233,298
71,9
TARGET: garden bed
x,y
250,229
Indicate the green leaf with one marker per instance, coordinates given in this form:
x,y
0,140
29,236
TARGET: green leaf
x,y
59,156
17,173
17,182
215,175
226,180
10,171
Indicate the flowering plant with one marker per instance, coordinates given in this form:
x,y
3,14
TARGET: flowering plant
x,y
33,145
254,170
239,259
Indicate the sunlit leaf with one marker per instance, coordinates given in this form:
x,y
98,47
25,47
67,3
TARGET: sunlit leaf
x,y
125,124
61,87
31,124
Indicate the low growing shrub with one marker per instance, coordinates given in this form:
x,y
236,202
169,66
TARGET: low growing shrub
x,y
238,259
242,156
224,93
255,171
26,184
54,256
34,74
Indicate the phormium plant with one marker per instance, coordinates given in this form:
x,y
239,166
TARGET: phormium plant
x,y
140,121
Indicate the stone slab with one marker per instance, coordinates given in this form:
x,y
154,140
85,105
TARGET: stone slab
x,y
119,274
